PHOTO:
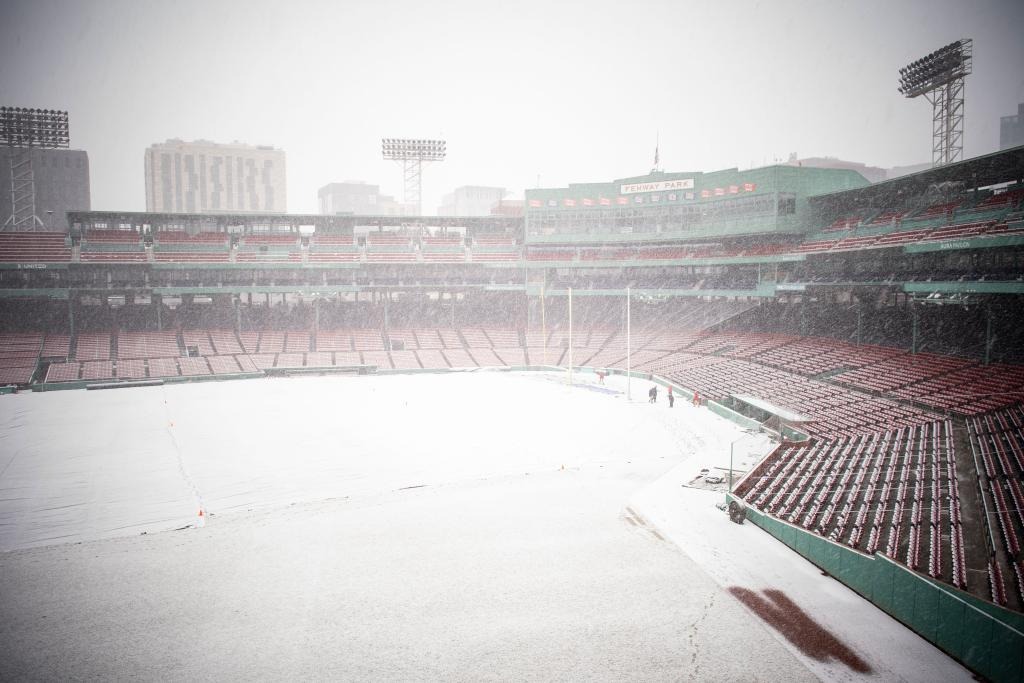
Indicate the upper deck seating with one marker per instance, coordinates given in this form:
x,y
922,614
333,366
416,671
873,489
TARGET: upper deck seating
x,y
112,246
34,247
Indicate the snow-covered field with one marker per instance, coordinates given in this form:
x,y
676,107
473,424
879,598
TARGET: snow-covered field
x,y
473,526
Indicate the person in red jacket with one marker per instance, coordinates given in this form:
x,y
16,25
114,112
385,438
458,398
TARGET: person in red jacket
x,y
696,398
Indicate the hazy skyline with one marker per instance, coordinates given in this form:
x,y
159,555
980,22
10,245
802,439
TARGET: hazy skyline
x,y
522,92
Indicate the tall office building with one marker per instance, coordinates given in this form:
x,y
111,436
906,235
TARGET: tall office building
x,y
61,183
1011,129
206,177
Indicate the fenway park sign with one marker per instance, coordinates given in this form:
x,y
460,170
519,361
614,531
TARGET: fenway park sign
x,y
634,188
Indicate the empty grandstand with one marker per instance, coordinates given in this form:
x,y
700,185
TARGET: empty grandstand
x,y
873,329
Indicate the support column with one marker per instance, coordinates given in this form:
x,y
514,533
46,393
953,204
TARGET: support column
x,y
988,334
913,318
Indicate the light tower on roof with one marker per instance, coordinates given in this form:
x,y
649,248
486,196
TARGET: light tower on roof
x,y
940,78
23,130
412,153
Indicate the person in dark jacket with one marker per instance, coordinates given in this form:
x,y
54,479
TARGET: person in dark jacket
x,y
671,398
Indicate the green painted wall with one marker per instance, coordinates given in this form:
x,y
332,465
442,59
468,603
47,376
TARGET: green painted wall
x,y
710,190
965,287
973,243
984,637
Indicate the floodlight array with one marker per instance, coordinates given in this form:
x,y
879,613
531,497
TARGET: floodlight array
x,y
22,127
937,69
408,148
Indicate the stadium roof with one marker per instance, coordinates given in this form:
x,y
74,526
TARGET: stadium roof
x,y
990,169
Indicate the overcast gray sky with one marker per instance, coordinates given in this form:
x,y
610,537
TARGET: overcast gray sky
x,y
569,92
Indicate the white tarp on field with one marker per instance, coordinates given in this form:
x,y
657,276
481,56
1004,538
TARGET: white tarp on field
x,y
80,465
532,544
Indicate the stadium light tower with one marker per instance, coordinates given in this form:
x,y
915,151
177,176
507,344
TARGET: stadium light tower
x,y
412,154
940,78
23,130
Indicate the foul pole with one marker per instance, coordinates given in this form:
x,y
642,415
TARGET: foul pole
x,y
629,369
570,335
543,325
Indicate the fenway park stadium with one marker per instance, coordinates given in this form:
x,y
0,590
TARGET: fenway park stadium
x,y
871,332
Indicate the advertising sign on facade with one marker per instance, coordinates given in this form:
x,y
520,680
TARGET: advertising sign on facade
x,y
660,186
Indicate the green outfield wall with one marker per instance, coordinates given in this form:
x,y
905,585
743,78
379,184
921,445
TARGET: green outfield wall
x,y
984,637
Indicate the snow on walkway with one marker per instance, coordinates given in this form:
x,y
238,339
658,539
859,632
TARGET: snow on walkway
x,y
752,565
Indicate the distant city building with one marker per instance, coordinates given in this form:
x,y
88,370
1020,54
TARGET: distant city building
x,y
1011,129
471,200
508,207
61,184
897,171
358,198
872,174
207,177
